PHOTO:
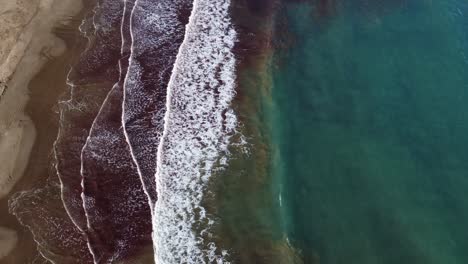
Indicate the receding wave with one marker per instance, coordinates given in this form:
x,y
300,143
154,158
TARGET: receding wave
x,y
157,32
116,206
57,238
59,226
199,123
87,93
117,211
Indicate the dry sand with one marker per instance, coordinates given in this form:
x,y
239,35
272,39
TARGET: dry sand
x,y
26,44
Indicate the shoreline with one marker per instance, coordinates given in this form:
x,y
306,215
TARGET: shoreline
x,y
29,45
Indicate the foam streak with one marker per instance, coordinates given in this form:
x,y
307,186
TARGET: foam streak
x,y
157,30
199,123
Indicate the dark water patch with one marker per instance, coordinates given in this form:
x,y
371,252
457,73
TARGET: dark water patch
x,y
56,236
119,218
103,29
244,196
77,116
158,31
117,210
86,97
253,20
258,7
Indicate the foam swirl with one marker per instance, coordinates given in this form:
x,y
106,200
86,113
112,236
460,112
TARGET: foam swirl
x,y
199,123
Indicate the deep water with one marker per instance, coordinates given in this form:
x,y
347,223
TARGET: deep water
x,y
370,130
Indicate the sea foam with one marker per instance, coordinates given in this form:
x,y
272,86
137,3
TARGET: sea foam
x,y
89,80
199,123
53,211
157,30
117,211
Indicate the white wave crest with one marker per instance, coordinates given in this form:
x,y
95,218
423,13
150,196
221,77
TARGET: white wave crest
x,y
157,32
199,123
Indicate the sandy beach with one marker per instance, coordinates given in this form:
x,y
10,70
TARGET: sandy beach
x,y
27,43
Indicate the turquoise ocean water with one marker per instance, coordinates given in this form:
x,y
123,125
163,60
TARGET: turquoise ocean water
x,y
370,130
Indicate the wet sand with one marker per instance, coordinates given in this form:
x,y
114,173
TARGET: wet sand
x,y
28,119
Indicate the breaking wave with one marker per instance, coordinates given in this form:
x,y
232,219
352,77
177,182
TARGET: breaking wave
x,y
157,30
199,123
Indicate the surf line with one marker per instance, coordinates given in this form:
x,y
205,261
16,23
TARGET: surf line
x,y
83,196
59,135
125,84
61,119
124,44
198,125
